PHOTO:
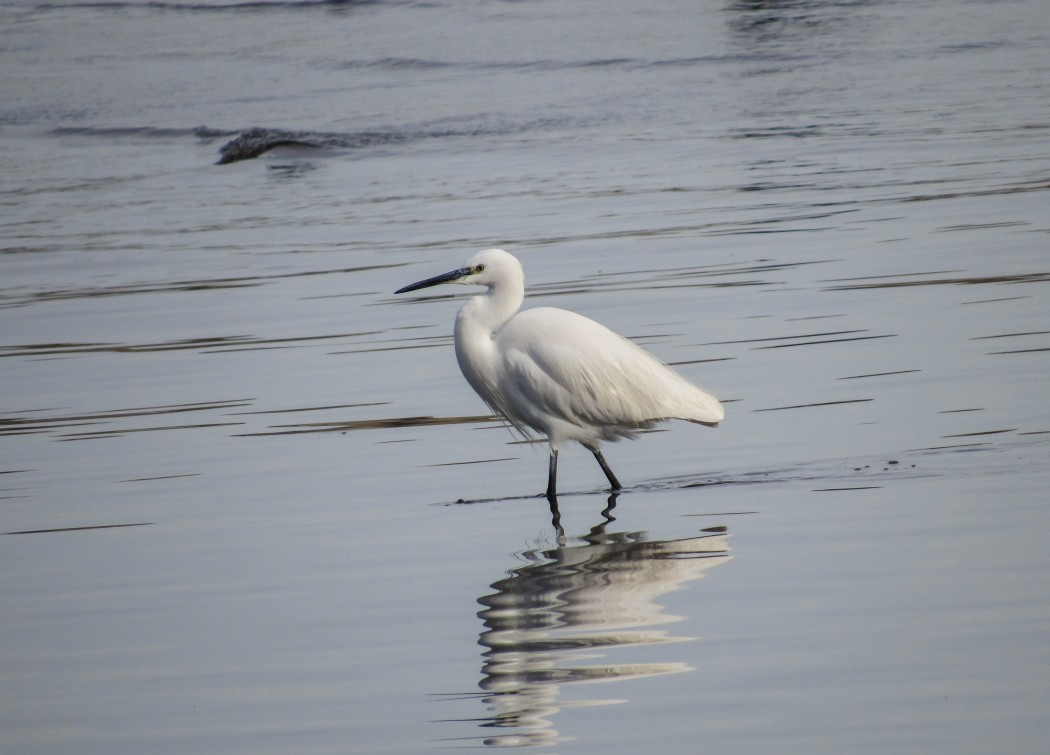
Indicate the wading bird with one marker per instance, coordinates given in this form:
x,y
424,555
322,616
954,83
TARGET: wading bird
x,y
557,373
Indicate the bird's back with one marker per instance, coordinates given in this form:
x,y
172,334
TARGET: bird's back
x,y
572,378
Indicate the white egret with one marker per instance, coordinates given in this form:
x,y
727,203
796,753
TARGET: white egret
x,y
557,373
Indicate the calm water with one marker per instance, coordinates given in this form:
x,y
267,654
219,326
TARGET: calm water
x,y
255,508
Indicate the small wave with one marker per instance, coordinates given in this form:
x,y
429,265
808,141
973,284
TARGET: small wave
x,y
145,132
252,142
218,7
540,64
399,64
255,141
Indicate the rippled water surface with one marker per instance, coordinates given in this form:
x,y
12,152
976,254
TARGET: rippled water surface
x,y
251,505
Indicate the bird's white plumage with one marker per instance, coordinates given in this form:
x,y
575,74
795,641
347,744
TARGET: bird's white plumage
x,y
580,381
557,373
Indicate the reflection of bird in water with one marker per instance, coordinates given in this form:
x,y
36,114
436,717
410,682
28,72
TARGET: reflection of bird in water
x,y
558,373
564,605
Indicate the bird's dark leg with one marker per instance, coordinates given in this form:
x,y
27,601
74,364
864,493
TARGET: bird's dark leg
x,y
556,518
605,468
552,476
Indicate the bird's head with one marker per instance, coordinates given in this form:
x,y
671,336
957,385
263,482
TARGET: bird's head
x,y
489,268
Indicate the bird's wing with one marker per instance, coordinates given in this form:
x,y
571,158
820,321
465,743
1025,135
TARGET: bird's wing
x,y
577,370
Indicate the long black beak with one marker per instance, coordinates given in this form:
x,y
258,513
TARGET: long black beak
x,y
443,278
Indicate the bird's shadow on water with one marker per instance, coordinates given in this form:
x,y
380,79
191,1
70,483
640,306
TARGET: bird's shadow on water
x,y
550,620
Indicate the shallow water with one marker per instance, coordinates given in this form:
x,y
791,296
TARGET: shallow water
x,y
254,507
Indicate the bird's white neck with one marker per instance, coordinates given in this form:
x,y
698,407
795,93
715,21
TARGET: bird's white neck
x,y
476,324
487,312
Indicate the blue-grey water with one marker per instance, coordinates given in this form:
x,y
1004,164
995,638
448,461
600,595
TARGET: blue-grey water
x,y
253,507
